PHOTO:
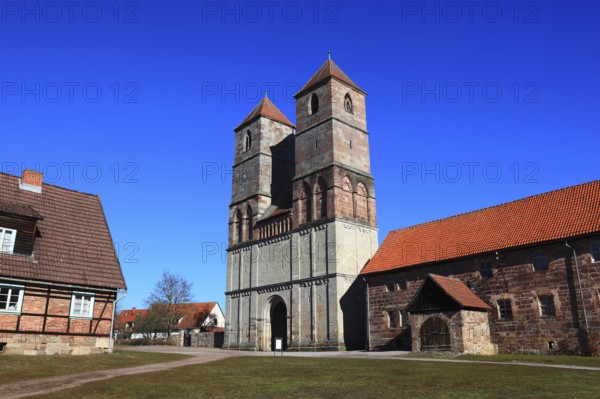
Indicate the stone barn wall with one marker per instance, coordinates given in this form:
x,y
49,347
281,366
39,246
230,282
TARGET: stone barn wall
x,y
514,279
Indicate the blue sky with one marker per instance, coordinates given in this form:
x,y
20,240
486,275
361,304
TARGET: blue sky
x,y
470,104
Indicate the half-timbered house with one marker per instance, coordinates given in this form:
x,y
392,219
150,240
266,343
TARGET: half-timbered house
x,y
59,272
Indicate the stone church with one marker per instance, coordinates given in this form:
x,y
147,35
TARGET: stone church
x,y
302,221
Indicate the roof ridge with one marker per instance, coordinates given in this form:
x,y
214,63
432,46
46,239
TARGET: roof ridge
x,y
328,70
54,186
267,109
495,206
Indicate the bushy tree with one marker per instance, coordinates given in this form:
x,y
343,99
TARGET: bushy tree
x,y
151,324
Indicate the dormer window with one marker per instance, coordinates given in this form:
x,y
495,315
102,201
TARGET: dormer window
x,y
7,240
314,104
248,140
347,104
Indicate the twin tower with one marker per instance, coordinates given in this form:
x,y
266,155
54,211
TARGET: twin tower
x,y
301,221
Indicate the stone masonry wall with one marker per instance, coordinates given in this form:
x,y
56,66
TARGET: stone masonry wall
x,y
515,279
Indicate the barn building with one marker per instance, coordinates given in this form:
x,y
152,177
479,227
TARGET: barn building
x,y
519,277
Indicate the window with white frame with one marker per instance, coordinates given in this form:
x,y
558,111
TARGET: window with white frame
x,y
11,298
7,240
82,305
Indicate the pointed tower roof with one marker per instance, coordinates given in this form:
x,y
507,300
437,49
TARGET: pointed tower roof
x,y
328,70
267,109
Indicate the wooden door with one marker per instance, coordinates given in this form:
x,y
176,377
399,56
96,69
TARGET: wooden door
x,y
434,335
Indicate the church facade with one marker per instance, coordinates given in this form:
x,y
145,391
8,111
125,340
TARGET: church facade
x,y
302,221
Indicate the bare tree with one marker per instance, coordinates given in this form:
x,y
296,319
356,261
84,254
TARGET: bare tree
x,y
168,298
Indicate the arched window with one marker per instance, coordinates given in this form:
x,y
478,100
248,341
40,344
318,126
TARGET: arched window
x,y
321,199
305,204
347,198
314,104
239,226
348,103
249,221
248,140
361,207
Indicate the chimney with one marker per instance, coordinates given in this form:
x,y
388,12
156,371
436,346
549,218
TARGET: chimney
x,y
31,181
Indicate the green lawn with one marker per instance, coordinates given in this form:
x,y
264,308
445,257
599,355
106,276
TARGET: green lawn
x,y
287,377
546,359
18,368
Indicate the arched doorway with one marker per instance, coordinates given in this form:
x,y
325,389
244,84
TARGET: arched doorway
x,y
274,323
434,335
278,324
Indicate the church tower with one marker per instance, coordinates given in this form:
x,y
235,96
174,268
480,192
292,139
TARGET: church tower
x,y
332,150
302,221
264,155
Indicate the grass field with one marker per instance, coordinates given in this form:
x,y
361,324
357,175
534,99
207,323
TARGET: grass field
x,y
287,377
545,359
19,368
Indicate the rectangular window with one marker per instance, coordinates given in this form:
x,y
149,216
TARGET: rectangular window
x,y
595,249
82,305
540,260
547,305
485,269
11,298
7,240
404,318
505,310
391,286
392,318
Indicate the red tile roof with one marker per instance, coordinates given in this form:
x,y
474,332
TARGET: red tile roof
x,y
196,314
74,247
328,69
458,291
129,315
554,215
267,109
